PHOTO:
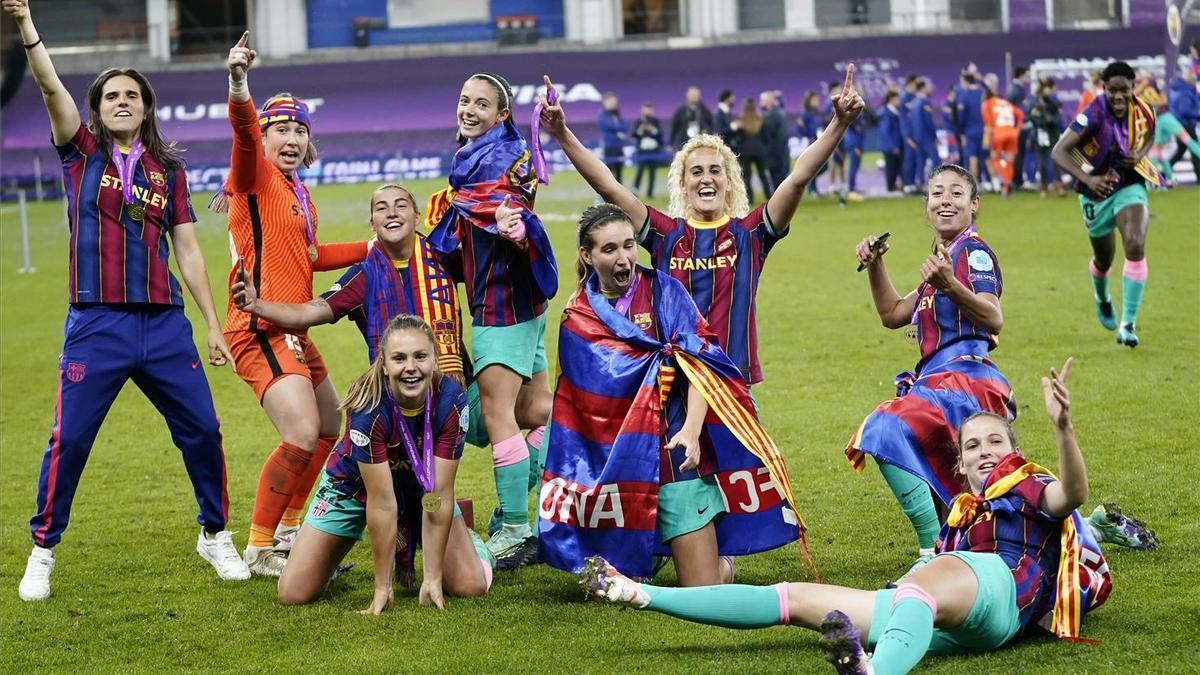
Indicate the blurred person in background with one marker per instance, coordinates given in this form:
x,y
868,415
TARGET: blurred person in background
x,y
648,150
690,119
752,150
891,143
1045,116
614,134
725,119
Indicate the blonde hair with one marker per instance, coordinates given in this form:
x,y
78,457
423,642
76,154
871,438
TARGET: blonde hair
x,y
367,390
736,202
411,200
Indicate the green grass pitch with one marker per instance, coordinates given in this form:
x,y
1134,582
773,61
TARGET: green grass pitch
x,y
131,595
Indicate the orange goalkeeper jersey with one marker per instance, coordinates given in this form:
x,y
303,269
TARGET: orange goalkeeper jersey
x,y
267,227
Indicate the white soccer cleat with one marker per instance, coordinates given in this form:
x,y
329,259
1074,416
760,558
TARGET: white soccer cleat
x,y
598,577
35,585
223,556
264,562
285,536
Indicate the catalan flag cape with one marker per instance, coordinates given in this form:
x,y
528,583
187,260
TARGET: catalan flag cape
x,y
482,173
616,404
918,430
1083,581
435,301
1132,135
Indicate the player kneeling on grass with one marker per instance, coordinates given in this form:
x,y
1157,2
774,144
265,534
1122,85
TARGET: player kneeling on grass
x,y
1014,554
393,471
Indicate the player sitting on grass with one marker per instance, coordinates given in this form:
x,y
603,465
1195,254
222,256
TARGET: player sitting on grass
x,y
1015,555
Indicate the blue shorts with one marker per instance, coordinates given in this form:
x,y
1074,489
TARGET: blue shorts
x,y
973,145
993,620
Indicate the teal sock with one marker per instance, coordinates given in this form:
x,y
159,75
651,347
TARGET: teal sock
x,y
512,490
1132,289
728,605
915,500
906,638
1099,284
533,441
1193,147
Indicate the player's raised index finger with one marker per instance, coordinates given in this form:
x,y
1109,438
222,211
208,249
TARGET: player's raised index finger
x,y
244,40
849,84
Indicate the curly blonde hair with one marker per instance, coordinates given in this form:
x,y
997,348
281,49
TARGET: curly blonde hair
x,y
736,202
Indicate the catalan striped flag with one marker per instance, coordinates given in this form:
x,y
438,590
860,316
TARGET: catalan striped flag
x,y
620,395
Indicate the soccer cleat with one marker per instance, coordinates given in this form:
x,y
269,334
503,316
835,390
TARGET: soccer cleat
x,y
601,579
527,553
1126,336
854,196
1113,527
264,562
285,536
843,645
495,522
1105,313
223,556
35,585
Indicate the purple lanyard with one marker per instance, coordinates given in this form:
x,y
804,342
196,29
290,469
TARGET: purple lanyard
x,y
126,165
422,465
535,127
626,299
958,241
302,195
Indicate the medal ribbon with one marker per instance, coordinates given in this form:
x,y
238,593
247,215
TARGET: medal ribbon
x,y
626,299
958,241
302,196
539,158
422,462
126,165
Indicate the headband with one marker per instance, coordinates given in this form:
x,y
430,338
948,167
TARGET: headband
x,y
499,85
284,109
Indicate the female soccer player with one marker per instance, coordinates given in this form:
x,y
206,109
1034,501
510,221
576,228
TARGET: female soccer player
x,y
394,473
638,366
1111,138
1016,553
709,239
126,189
955,316
273,234
486,218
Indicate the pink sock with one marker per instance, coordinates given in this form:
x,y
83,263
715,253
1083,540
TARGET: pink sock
x,y
534,438
785,612
1095,270
1135,270
509,451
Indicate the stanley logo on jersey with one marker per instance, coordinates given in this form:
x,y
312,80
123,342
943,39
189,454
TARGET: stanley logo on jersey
x,y
715,262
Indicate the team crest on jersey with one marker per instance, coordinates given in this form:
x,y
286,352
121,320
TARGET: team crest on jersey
x,y
158,178
980,261
642,319
359,438
320,508
724,245
76,371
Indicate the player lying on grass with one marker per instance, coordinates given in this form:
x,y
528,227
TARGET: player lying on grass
x,y
1014,555
393,472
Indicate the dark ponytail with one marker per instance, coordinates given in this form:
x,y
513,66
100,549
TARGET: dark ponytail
x,y
593,217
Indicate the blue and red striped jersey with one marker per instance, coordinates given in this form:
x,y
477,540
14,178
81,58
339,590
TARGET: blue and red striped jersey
x,y
373,437
939,321
501,289
719,263
1026,538
115,258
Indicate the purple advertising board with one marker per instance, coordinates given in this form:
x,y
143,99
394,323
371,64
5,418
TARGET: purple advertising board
x,y
398,116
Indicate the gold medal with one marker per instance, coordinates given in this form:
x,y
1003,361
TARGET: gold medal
x,y
431,502
136,212
312,253
910,334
